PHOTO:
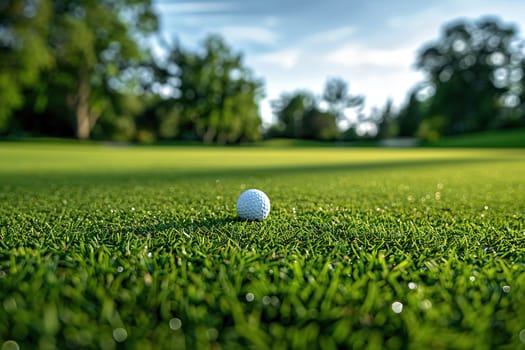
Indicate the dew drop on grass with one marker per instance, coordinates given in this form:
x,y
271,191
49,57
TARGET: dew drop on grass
x,y
249,297
425,304
313,313
506,289
397,307
175,323
266,300
148,279
120,269
212,334
120,334
472,279
13,345
412,285
10,304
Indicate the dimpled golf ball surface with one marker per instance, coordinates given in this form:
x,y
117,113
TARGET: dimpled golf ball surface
x,y
253,205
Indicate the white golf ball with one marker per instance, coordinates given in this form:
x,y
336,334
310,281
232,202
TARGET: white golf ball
x,y
253,205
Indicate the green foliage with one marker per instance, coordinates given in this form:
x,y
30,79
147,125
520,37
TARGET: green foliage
x,y
431,128
290,110
23,51
138,247
95,45
493,138
68,66
474,82
410,116
118,122
299,114
336,94
387,123
91,45
319,125
216,95
475,72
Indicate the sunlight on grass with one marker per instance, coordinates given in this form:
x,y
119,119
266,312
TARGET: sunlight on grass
x,y
139,246
23,158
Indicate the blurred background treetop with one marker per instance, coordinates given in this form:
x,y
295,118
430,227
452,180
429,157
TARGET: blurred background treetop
x,y
86,69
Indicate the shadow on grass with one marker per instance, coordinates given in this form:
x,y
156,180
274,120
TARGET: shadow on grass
x,y
165,175
217,231
189,225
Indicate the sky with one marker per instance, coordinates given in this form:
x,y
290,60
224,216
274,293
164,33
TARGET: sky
x,y
294,45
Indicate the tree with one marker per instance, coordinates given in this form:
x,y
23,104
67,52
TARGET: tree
x,y
318,125
336,94
298,116
94,45
23,51
410,116
290,110
472,69
217,96
387,123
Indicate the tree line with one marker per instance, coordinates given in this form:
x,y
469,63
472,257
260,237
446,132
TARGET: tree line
x,y
85,69
473,82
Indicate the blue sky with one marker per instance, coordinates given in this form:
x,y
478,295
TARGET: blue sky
x,y
293,44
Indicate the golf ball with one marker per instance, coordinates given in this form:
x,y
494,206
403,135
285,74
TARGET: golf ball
x,y
253,204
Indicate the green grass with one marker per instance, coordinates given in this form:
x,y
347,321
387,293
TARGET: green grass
x,y
139,248
495,138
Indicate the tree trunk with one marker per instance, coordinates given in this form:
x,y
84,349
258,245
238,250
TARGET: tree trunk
x,y
81,105
209,135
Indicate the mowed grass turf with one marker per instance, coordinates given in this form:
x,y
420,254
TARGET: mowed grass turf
x,y
139,248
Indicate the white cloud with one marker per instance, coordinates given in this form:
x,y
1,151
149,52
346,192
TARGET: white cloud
x,y
248,34
425,25
193,7
377,61
376,74
331,36
266,112
380,84
352,55
429,18
271,21
283,59
289,58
